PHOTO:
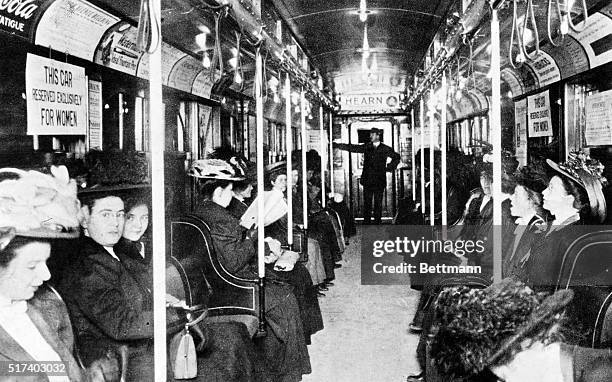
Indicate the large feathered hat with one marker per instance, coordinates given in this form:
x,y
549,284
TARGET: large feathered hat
x,y
213,169
587,173
479,328
34,204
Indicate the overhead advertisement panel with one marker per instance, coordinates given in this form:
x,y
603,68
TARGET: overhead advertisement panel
x,y
118,49
596,39
170,56
74,27
18,17
202,85
570,57
184,73
545,68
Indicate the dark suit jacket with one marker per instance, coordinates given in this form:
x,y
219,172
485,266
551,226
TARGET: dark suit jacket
x,y
109,306
49,315
375,165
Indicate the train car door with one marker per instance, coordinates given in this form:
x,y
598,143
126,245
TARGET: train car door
x,y
360,134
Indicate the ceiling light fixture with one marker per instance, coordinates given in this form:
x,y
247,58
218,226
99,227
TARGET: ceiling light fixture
x,y
363,12
366,43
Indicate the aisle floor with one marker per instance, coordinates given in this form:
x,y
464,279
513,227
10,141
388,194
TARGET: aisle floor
x,y
366,336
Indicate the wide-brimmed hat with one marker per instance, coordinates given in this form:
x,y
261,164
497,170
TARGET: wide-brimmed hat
x,y
33,204
276,168
481,328
213,169
587,173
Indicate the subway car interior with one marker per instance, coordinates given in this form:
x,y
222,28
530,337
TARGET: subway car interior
x,y
292,190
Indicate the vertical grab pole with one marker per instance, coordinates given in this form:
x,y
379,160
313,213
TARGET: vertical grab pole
x,y
412,127
495,119
322,145
431,161
422,125
259,104
304,172
443,150
157,138
288,149
331,153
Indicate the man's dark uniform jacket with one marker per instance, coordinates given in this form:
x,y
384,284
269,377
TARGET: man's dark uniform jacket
x,y
375,165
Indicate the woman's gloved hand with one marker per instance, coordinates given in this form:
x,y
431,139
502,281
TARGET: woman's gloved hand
x,y
103,370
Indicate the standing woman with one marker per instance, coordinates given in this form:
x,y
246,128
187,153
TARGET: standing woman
x,y
34,322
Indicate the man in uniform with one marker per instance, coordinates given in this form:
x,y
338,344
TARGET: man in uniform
x,y
374,175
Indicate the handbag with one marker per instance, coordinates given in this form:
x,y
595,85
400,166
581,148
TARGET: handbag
x,y
182,347
300,244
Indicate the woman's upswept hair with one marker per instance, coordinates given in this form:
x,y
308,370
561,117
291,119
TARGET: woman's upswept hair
x,y
207,187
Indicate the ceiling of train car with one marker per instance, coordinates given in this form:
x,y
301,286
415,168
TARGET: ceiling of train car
x,y
399,33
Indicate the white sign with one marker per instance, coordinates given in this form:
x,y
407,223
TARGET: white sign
x,y
546,69
595,39
598,110
74,27
94,132
520,132
370,102
538,115
56,95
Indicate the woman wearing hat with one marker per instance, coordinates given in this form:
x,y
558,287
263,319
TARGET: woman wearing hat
x,y
284,347
34,325
574,197
305,292
510,334
526,207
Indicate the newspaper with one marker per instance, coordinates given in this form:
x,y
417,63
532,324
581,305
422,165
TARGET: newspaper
x,y
275,208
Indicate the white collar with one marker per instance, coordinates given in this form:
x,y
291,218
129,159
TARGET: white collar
x,y
111,252
376,144
8,305
567,216
524,220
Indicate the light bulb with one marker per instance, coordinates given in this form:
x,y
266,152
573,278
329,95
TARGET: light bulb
x,y
233,62
276,98
366,43
520,57
564,27
462,83
237,77
200,40
206,61
363,12
297,109
458,95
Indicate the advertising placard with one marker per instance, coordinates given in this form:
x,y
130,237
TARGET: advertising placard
x,y
56,95
74,27
520,132
598,111
538,115
94,132
17,16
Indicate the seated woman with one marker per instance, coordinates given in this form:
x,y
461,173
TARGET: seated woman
x,y
284,347
526,206
228,354
305,292
109,296
512,334
34,322
574,197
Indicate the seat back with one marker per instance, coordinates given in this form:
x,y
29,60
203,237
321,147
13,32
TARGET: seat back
x,y
586,269
229,294
587,261
602,334
338,229
186,280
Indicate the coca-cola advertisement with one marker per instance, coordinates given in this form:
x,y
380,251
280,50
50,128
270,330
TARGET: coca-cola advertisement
x,y
19,16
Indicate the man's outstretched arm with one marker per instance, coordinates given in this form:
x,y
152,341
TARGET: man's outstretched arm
x,y
349,147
